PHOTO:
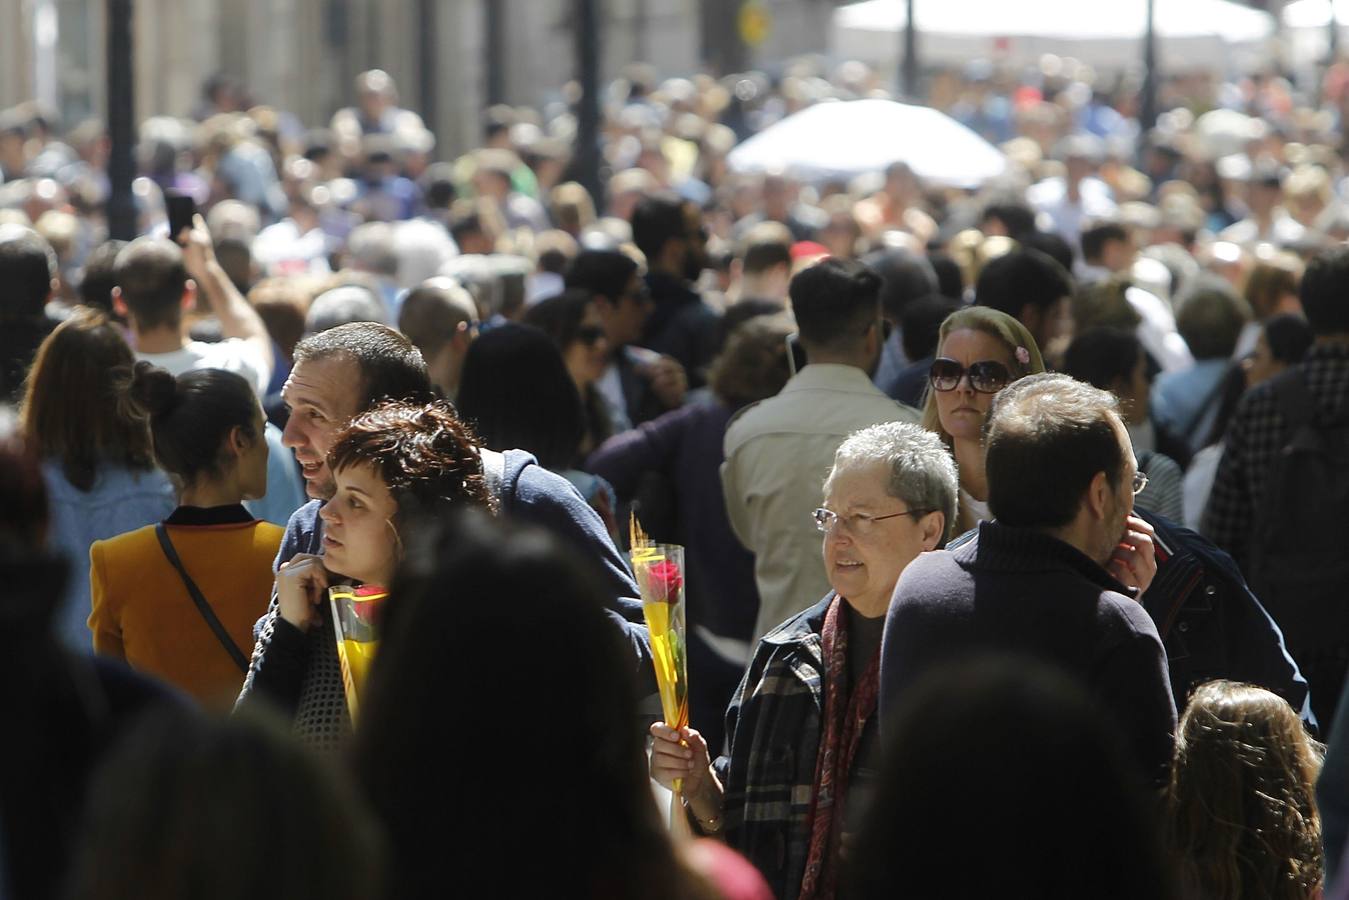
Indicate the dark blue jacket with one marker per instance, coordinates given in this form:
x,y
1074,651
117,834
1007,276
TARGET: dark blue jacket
x,y
685,445
682,326
1211,624
1020,591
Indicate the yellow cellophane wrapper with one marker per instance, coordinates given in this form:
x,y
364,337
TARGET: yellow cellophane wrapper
x,y
356,624
659,570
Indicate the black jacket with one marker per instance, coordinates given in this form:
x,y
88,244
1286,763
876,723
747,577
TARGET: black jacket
x,y
682,326
1211,623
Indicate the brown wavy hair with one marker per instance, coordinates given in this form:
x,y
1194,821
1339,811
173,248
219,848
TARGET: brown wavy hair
x,y
73,405
753,366
424,454
1242,800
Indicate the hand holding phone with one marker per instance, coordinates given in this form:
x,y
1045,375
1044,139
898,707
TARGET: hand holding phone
x,y
182,209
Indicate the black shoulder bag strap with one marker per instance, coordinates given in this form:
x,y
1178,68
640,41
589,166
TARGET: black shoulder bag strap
x,y
202,606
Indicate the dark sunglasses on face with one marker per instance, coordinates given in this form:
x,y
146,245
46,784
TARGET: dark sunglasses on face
x,y
987,376
589,334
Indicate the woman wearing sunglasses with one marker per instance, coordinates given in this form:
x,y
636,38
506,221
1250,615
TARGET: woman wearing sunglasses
x,y
979,352
574,324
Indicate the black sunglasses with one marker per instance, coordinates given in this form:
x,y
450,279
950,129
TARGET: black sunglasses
x,y
589,334
987,376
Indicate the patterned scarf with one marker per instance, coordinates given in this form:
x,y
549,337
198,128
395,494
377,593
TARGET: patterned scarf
x,y
844,718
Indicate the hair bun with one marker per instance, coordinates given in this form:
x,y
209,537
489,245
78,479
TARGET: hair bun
x,y
153,389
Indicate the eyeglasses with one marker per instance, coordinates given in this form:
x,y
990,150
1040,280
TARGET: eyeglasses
x,y
589,335
859,524
987,376
1140,482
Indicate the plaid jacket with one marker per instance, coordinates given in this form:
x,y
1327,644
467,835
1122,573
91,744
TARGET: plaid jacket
x,y
773,729
1254,438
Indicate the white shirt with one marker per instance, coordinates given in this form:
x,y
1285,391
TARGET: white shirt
x,y
778,452
281,249
978,508
1157,331
231,354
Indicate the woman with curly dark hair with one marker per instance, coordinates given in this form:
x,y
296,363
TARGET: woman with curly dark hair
x,y
391,464
1242,800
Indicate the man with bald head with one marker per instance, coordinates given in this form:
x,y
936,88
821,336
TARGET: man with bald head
x,y
441,319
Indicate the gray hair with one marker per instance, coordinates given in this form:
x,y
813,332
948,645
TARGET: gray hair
x,y
372,248
922,472
342,305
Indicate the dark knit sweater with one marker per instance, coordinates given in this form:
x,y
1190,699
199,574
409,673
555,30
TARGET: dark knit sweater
x,y
1014,590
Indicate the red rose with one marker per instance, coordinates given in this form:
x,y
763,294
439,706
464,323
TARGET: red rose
x,y
368,603
666,580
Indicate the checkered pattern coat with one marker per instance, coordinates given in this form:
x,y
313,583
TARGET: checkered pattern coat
x,y
1254,438
773,729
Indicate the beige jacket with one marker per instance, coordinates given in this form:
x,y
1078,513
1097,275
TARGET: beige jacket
x,y
778,452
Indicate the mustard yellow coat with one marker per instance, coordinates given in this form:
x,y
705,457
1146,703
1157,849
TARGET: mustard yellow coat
x,y
142,612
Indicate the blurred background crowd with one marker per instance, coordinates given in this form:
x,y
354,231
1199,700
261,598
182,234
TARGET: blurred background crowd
x,y
690,296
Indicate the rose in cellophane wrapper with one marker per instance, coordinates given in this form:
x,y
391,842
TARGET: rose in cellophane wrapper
x,y
659,569
661,579
356,620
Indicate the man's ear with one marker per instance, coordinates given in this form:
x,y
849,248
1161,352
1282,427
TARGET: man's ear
x,y
934,529
463,336
1098,495
875,337
119,305
189,294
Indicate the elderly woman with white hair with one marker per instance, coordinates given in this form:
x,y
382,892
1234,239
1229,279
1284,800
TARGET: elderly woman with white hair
x,y
801,730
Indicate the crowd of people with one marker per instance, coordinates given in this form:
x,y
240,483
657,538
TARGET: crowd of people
x,y
1011,515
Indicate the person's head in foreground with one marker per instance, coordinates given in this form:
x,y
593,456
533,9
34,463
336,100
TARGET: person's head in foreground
x,y
1005,761
1059,460
890,496
168,812
338,373
485,623
1242,800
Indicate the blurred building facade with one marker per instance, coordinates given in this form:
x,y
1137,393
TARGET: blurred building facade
x,y
301,55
